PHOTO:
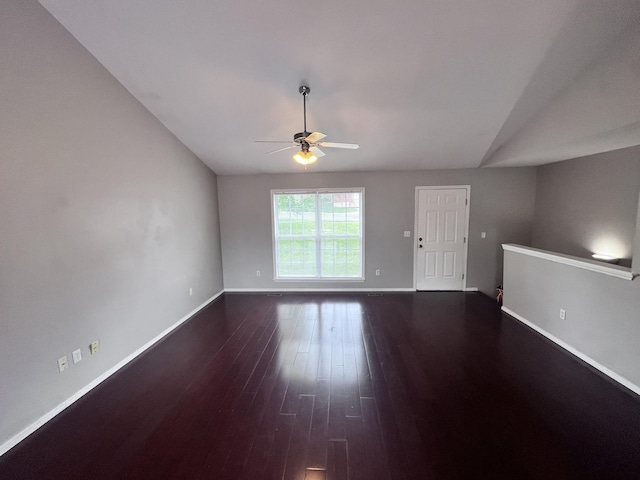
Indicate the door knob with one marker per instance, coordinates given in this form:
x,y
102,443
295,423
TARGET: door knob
x,y
420,246
420,239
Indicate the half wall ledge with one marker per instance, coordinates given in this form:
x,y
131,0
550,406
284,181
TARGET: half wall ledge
x,y
585,263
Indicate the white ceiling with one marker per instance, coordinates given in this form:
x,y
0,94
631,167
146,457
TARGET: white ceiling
x,y
419,84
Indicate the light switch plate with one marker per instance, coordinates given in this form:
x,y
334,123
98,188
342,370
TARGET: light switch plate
x,y
77,356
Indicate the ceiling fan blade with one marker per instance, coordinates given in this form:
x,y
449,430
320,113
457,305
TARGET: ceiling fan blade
x,y
282,149
272,141
315,137
352,146
317,152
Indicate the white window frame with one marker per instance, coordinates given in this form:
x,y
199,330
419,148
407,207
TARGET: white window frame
x,y
316,191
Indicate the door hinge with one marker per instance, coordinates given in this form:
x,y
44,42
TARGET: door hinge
x,y
464,240
463,276
466,201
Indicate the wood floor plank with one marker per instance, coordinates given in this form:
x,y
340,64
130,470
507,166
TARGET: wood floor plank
x,y
319,435
299,441
257,458
362,364
337,463
274,468
375,451
229,454
264,362
337,405
322,335
272,412
360,467
392,437
351,387
296,387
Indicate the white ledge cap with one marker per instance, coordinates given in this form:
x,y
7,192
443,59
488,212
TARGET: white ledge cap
x,y
584,263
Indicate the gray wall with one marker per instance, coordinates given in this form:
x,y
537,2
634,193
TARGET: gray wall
x,y
502,202
589,205
106,219
601,311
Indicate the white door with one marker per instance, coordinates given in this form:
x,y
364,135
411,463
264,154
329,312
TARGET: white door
x,y
441,223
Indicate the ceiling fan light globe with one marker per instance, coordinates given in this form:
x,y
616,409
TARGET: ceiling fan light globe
x,y
305,158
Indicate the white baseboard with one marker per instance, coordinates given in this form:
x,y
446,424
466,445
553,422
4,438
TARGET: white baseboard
x,y
13,441
585,358
303,290
328,290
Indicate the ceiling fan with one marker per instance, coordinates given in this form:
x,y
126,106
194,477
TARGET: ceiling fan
x,y
308,143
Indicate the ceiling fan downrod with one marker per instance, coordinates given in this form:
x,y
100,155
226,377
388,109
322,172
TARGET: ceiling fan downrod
x,y
304,91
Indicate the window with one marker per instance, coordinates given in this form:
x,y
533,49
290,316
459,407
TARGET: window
x,y
318,234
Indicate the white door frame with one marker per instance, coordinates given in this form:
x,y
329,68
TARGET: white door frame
x,y
466,230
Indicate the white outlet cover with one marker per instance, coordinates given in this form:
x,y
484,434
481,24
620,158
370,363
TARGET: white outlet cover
x,y
407,233
77,356
483,235
63,364
191,291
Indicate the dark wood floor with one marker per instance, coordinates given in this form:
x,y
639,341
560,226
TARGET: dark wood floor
x,y
342,386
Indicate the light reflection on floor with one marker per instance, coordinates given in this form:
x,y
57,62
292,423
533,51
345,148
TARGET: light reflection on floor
x,y
321,341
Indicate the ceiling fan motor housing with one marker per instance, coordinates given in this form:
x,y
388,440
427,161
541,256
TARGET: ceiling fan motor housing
x,y
300,136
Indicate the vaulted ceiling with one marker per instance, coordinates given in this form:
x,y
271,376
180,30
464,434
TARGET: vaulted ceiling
x,y
419,84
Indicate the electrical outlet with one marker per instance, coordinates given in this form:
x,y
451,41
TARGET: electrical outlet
x,y
94,347
257,273
63,364
563,314
483,234
77,356
407,233
377,273
190,291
